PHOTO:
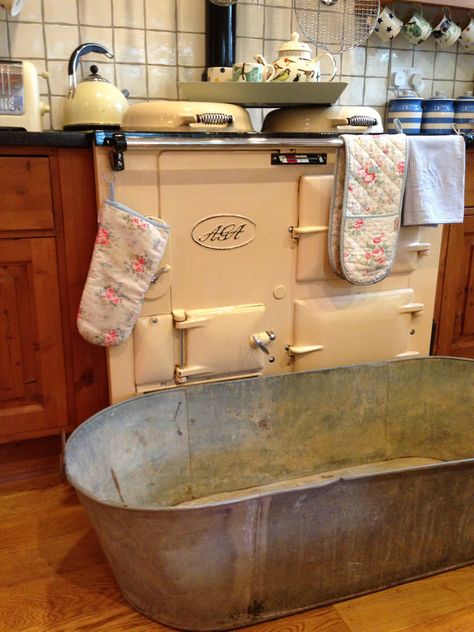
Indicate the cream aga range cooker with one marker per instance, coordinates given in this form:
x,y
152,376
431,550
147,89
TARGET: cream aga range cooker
x,y
245,287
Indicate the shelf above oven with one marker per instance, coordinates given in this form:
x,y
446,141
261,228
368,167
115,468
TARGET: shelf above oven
x,y
264,94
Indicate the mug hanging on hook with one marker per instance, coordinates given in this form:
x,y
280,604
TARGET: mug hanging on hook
x,y
13,7
447,32
466,39
417,29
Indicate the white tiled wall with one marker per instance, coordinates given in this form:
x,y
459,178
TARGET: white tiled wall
x,y
158,43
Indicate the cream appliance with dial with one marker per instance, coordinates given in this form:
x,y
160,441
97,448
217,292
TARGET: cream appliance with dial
x,y
20,103
245,287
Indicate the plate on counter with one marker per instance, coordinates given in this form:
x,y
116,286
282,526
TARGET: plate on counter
x,y
270,94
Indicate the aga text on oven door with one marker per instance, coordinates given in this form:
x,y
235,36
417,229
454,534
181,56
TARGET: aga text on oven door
x,y
224,231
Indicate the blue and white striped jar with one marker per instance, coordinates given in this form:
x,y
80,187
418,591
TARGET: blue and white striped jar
x,y
438,115
408,110
464,112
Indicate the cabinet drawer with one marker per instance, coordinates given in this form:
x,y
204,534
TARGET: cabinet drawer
x,y
26,193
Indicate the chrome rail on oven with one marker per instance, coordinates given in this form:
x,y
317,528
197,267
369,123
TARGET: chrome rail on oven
x,y
121,141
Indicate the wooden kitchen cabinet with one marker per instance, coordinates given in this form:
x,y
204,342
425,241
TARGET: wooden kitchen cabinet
x,y
454,310
32,373
50,378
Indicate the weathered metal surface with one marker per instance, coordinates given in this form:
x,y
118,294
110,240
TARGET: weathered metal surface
x,y
230,561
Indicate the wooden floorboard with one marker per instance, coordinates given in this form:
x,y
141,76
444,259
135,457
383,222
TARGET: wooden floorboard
x,y
54,578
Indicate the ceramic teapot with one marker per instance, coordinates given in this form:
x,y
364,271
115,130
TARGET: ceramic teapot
x,y
94,102
295,62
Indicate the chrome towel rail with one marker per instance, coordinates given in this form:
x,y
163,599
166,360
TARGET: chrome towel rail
x,y
121,141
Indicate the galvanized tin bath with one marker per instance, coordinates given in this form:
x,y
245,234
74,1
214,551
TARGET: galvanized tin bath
x,y
225,504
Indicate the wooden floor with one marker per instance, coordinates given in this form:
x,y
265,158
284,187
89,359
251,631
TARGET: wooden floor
x,y
54,578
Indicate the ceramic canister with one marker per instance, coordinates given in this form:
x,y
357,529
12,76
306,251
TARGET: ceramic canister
x,y
464,112
438,115
408,110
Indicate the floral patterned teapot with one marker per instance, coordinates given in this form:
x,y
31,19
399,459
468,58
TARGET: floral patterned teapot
x,y
296,63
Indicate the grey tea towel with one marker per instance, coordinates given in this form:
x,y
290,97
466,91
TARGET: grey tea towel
x,y
434,192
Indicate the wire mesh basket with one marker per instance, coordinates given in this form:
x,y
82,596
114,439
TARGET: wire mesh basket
x,y
337,25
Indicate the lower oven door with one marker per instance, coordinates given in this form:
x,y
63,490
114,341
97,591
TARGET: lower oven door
x,y
352,328
219,342
192,345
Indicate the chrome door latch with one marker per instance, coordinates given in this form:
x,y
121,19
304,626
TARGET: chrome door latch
x,y
261,340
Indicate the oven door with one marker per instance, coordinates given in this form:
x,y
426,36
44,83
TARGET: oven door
x,y
219,342
200,344
352,328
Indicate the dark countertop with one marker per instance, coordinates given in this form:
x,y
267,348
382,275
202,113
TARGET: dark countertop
x,y
20,138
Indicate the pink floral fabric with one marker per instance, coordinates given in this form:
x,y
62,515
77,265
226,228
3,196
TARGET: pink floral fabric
x,y
367,203
127,252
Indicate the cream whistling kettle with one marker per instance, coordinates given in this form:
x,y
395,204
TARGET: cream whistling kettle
x,y
296,63
94,102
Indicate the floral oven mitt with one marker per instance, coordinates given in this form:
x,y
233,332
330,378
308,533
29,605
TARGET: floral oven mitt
x,y
127,252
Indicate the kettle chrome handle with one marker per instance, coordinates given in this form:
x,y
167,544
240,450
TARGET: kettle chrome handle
x,y
77,53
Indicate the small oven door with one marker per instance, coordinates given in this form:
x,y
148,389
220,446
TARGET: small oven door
x,y
200,344
311,234
219,342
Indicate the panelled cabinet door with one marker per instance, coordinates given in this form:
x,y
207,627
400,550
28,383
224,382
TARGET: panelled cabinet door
x,y
456,316
455,294
32,372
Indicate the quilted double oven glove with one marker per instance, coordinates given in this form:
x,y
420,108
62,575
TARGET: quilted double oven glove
x,y
365,215
127,252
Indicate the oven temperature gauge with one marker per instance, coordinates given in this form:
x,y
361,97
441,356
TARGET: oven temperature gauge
x,y
299,159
